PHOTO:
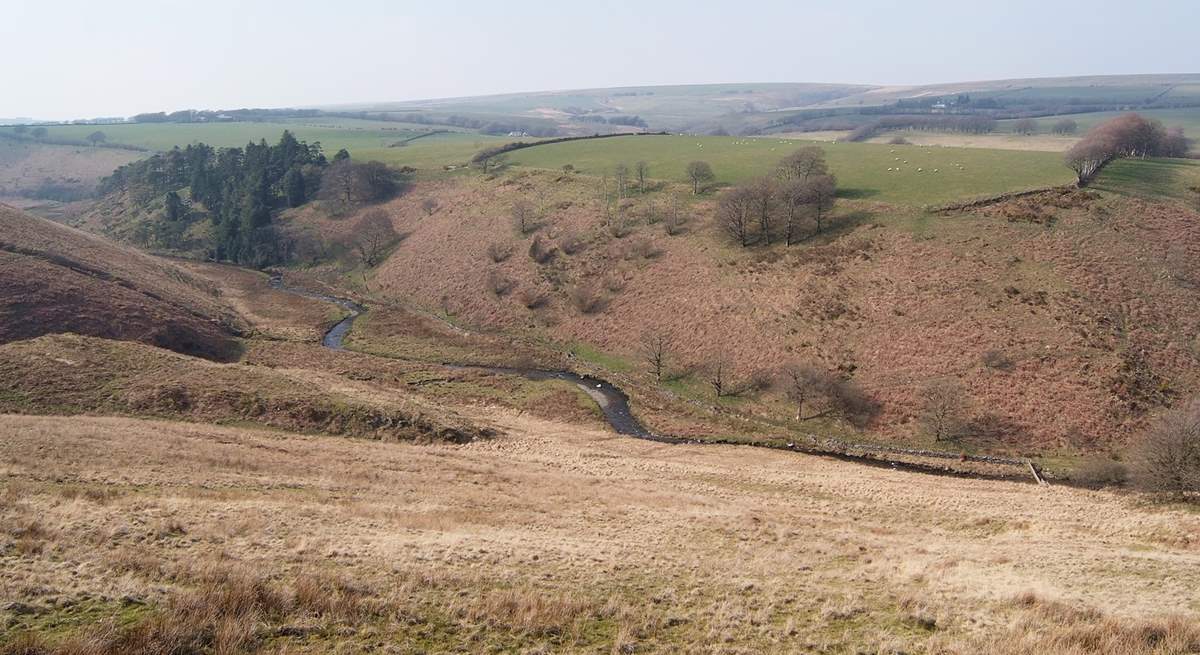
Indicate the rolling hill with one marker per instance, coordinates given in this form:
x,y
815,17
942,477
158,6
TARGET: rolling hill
x,y
57,279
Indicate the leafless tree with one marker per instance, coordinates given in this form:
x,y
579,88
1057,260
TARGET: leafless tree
x,y
372,235
943,409
621,175
676,220
700,174
641,169
718,376
1064,126
1025,126
820,194
499,283
429,205
793,196
523,216
656,347
1087,157
1167,459
763,195
348,184
735,212
804,163
1195,195
805,384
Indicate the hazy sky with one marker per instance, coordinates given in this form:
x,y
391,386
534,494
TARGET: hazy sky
x,y
84,58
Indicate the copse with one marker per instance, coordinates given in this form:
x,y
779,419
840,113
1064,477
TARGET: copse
x,y
797,200
1129,135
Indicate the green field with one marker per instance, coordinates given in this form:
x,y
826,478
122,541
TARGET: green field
x,y
861,168
1188,118
1151,178
364,139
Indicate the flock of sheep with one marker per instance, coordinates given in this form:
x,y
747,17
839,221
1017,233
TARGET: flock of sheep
x,y
891,169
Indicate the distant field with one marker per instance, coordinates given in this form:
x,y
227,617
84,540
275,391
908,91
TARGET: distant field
x,y
1187,118
364,139
861,168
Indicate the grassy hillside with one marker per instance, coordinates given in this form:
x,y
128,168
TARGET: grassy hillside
x,y
32,172
70,374
920,175
58,279
1087,294
557,539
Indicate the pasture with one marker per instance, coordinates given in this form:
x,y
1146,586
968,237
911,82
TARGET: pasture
x,y
364,139
1188,118
918,176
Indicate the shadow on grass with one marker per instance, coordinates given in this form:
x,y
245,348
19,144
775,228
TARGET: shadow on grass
x,y
856,194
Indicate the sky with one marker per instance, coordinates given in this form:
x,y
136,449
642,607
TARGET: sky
x,y
88,58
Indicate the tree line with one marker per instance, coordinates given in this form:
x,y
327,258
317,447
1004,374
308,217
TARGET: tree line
x,y
1129,135
792,205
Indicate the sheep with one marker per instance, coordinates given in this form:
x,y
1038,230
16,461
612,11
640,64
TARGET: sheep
x,y
920,170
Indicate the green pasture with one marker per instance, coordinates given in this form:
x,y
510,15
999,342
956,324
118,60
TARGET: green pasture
x,y
364,139
920,175
1151,178
1188,118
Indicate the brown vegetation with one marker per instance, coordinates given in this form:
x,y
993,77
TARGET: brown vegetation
x,y
56,279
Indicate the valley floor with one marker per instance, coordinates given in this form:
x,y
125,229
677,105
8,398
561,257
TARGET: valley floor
x,y
557,538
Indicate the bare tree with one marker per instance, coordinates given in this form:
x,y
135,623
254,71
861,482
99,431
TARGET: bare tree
x,y
676,220
97,137
1195,195
1025,126
1087,157
1064,126
735,212
820,194
943,409
700,174
641,169
718,376
621,175
429,205
762,197
805,384
793,196
655,348
804,163
523,216
348,184
373,234
1167,460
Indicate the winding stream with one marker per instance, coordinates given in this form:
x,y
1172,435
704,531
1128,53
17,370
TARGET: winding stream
x,y
613,402
614,405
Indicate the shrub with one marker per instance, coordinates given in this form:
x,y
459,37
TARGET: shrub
x,y
587,298
1100,472
898,141
1167,460
998,360
534,298
572,243
500,284
500,251
541,251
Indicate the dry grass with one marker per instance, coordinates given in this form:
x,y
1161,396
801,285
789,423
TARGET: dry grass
x,y
557,539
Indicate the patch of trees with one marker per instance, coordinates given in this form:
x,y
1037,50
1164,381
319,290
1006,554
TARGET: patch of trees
x,y
223,115
968,124
239,189
1129,135
347,184
630,121
792,205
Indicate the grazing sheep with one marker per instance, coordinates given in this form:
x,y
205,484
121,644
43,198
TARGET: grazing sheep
x,y
920,170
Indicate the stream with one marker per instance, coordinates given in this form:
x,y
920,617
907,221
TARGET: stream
x,y
613,402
